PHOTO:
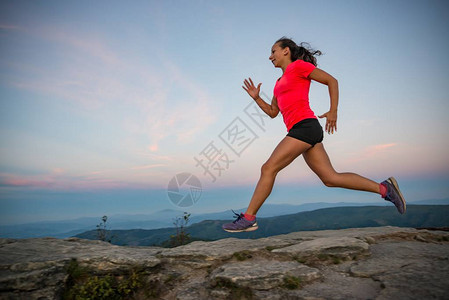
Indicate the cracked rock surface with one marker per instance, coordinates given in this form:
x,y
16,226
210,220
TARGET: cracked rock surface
x,y
358,263
264,274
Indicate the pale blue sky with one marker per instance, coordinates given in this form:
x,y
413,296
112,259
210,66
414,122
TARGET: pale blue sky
x,y
109,100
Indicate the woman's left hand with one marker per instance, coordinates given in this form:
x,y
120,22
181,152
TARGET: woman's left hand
x,y
331,121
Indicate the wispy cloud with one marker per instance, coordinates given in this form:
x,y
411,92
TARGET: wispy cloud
x,y
67,182
154,156
147,167
378,148
83,72
373,152
200,107
10,180
9,27
181,118
85,42
95,76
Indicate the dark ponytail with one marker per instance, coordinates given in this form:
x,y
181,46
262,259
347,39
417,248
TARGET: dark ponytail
x,y
301,51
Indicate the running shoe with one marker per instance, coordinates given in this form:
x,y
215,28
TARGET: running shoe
x,y
394,194
240,224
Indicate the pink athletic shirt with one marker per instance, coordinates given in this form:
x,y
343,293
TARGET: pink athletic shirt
x,y
292,93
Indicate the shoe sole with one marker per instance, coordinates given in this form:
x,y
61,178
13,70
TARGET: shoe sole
x,y
252,228
396,186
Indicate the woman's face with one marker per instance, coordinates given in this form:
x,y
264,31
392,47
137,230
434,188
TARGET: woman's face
x,y
278,55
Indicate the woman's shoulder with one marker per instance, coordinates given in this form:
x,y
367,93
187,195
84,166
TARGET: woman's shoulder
x,y
302,67
302,63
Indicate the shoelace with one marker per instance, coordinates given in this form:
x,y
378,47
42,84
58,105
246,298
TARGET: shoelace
x,y
237,216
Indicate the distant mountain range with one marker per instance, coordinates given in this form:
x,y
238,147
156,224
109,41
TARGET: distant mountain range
x,y
165,218
322,219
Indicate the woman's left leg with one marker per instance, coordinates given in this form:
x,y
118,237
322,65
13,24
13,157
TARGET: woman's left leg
x,y
318,160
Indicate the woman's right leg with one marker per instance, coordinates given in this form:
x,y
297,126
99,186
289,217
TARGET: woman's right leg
x,y
318,160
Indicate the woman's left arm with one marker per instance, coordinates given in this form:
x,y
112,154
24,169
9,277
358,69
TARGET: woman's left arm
x,y
332,83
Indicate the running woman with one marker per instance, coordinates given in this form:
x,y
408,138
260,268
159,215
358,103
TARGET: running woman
x,y
305,134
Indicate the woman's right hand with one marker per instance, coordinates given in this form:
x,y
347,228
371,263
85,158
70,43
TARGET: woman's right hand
x,y
251,89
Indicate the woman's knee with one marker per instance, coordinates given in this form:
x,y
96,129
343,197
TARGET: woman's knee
x,y
330,180
268,168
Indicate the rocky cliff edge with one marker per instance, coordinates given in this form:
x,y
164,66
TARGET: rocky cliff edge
x,y
360,263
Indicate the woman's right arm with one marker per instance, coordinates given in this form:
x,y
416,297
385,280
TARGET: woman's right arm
x,y
272,109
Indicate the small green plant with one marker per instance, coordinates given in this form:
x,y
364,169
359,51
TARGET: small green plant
x,y
102,231
336,260
323,256
171,277
96,288
242,255
75,272
81,285
291,282
181,237
131,284
329,258
236,291
301,260
442,238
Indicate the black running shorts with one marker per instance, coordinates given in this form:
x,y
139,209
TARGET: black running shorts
x,y
308,130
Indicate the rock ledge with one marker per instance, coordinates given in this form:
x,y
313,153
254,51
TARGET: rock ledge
x,y
359,263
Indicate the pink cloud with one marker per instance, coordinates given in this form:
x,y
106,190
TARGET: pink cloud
x,y
83,76
24,181
170,117
90,45
75,41
10,27
372,152
383,146
147,167
95,76
58,171
154,156
54,181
